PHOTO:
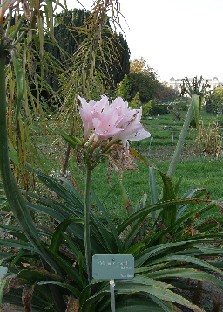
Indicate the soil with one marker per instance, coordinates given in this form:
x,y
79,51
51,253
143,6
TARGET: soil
x,y
206,296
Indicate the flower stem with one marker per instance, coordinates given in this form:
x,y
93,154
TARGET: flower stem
x,y
176,155
87,212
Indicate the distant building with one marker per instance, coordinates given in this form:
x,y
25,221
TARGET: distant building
x,y
176,83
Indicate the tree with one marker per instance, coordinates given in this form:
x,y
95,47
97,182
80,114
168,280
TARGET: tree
x,y
137,65
166,94
144,82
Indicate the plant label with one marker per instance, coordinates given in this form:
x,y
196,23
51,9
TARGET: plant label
x,y
112,266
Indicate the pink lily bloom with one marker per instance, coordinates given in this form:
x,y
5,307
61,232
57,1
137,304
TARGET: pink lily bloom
x,y
115,121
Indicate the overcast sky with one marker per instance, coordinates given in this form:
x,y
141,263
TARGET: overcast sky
x,y
177,38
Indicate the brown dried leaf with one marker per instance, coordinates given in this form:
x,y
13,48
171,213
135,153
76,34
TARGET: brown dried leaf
x,y
120,159
73,305
27,297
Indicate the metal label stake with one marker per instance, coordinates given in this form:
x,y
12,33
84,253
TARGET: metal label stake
x,y
112,289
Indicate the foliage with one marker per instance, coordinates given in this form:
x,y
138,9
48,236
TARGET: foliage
x,y
166,94
145,83
37,69
197,91
214,102
147,108
178,107
219,120
71,35
67,37
25,81
159,109
136,103
196,86
143,80
155,262
124,88
138,65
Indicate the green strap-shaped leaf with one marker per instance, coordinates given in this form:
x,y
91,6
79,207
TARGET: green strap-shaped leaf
x,y
160,293
154,252
109,221
189,194
58,237
143,304
16,244
141,214
102,236
72,272
144,280
72,289
69,194
94,299
125,198
153,186
169,214
36,275
186,273
3,283
188,259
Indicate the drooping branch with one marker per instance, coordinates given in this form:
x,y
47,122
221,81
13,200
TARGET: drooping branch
x,y
15,199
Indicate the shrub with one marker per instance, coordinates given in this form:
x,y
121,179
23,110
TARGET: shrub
x,y
219,120
147,108
209,139
214,102
159,109
136,103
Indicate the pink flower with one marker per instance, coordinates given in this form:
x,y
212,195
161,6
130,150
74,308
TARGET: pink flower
x,y
115,121
86,115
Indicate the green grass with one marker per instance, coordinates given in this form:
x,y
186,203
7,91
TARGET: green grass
x,y
200,172
203,172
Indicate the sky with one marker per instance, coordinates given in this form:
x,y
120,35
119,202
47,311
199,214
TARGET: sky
x,y
177,38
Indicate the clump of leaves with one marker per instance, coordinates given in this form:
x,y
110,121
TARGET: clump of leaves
x,y
166,253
